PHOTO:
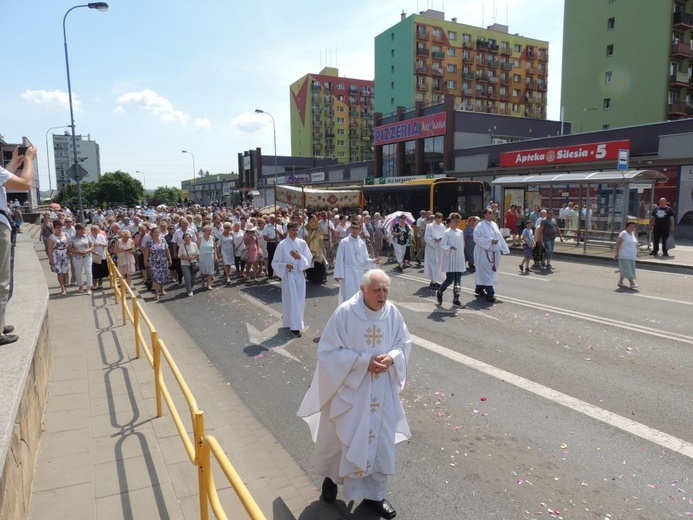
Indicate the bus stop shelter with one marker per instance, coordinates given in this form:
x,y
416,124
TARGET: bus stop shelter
x,y
604,201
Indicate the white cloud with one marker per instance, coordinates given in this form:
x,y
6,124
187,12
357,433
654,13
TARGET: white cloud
x,y
202,123
118,110
250,123
51,98
153,103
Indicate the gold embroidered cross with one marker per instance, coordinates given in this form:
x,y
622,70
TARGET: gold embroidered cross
x,y
374,336
371,436
374,404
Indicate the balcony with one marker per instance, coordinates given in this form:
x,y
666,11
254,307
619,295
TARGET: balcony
x,y
422,51
467,45
680,79
683,20
543,55
437,55
481,44
542,86
422,35
366,137
467,59
505,81
422,88
468,75
493,64
438,38
316,87
505,97
366,115
678,109
542,71
506,51
481,76
492,47
421,71
468,92
481,61
438,72
531,70
531,54
681,50
438,88
494,79
507,66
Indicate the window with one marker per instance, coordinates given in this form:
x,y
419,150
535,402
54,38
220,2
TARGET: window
x,y
610,50
392,69
392,36
451,84
340,142
452,52
392,53
517,78
516,107
466,37
605,127
517,47
392,85
452,67
340,98
340,109
341,131
340,86
608,76
516,93
607,103
392,101
610,23
436,33
516,63
340,120
341,155
452,35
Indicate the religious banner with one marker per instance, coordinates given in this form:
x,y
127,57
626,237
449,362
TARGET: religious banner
x,y
317,199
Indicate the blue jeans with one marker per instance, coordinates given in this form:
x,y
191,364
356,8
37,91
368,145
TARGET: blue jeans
x,y
450,278
548,246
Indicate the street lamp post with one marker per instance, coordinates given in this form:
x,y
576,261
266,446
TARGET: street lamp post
x,y
144,178
582,118
193,159
48,158
274,133
99,6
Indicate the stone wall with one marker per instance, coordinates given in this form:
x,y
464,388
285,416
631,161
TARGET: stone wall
x,y
24,372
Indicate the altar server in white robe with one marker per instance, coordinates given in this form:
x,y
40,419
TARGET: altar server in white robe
x,y
351,262
490,244
291,259
353,406
433,259
452,246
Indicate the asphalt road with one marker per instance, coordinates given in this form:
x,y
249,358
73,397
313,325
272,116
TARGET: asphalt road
x,y
569,398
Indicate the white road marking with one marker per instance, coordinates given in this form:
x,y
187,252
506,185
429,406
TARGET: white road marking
x,y
668,300
264,307
271,340
640,430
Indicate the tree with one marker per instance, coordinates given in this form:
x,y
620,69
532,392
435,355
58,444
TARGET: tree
x,y
120,187
67,196
168,195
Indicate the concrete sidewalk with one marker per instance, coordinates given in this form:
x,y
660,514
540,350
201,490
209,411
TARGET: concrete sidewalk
x,y
105,455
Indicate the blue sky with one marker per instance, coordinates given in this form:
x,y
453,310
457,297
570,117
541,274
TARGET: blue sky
x,y
152,77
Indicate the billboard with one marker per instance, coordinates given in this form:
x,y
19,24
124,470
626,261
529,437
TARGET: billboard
x,y
581,153
416,128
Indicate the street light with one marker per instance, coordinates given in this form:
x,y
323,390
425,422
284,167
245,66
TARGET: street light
x,y
99,6
582,118
48,158
274,133
143,178
193,159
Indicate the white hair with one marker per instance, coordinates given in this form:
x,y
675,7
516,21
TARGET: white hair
x,y
374,274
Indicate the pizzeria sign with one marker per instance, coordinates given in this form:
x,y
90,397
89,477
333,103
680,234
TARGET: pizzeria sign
x,y
589,152
416,128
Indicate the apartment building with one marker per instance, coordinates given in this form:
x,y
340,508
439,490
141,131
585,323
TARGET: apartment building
x,y
88,157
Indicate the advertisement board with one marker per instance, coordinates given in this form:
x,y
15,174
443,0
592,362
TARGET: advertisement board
x,y
416,128
581,153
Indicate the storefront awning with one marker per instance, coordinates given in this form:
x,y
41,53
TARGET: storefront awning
x,y
607,177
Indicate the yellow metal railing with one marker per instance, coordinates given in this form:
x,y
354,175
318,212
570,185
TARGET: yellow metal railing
x,y
201,445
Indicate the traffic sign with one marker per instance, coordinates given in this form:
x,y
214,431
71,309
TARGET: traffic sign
x,y
76,172
622,159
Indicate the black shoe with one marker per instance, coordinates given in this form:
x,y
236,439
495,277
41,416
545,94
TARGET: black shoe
x,y
296,333
458,303
439,297
8,329
521,268
382,507
479,294
6,339
653,253
329,490
527,270
665,254
491,299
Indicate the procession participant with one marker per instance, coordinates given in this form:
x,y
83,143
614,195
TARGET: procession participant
x,y
317,273
270,234
420,231
452,246
291,259
99,265
327,229
489,245
353,407
469,241
351,262
80,249
401,234
433,259
226,248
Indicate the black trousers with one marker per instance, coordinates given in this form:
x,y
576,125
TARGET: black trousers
x,y
657,235
271,248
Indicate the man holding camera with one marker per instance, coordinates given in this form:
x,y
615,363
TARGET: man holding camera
x,y
8,180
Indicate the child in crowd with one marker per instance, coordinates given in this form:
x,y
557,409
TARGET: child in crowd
x,y
527,245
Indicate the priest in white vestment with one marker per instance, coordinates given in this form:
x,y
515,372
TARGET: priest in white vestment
x,y
351,262
353,406
433,259
490,244
291,259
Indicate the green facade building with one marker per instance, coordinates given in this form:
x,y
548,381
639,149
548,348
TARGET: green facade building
x,y
423,57
626,62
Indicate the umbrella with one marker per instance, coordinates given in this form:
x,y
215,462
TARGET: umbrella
x,y
394,217
55,206
162,206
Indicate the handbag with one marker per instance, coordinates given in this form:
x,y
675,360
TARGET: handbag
x,y
194,264
244,255
671,241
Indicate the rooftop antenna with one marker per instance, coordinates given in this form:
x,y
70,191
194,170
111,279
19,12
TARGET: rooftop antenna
x,y
482,16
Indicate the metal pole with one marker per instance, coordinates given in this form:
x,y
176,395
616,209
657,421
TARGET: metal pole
x,y
100,6
582,119
274,134
193,163
48,158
